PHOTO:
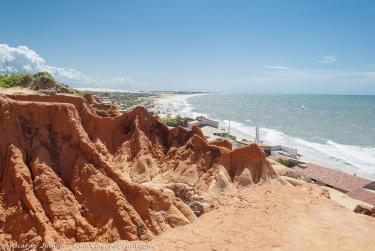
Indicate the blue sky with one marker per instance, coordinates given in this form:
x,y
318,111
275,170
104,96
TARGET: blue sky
x,y
232,46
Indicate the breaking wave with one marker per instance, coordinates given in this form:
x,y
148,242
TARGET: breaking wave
x,y
349,158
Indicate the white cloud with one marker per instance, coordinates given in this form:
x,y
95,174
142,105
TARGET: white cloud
x,y
307,74
115,80
277,67
370,74
311,80
328,60
22,59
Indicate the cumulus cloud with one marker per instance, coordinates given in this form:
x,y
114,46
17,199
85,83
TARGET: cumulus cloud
x,y
328,60
22,59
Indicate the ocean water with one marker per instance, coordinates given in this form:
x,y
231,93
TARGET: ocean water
x,y
338,131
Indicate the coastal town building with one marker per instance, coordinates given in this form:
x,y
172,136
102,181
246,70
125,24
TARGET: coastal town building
x,y
202,121
365,193
107,100
125,101
356,187
212,133
284,150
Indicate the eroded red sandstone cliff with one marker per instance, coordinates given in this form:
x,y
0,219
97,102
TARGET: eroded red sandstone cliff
x,y
74,170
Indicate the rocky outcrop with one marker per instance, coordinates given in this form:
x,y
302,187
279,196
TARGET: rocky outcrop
x,y
223,143
364,209
73,171
101,109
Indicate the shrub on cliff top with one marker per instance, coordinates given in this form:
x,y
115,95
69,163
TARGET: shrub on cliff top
x,y
14,80
37,81
174,122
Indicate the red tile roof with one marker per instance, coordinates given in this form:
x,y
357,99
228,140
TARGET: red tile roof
x,y
334,178
363,195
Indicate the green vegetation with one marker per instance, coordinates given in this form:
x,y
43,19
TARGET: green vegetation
x,y
37,81
130,102
174,122
305,178
128,99
15,80
284,162
25,79
125,101
42,77
77,92
230,136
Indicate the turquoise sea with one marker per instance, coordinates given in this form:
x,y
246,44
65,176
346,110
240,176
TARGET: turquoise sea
x,y
336,130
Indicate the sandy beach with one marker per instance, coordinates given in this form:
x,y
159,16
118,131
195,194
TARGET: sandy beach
x,y
167,104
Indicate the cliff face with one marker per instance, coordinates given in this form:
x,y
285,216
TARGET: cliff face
x,y
73,170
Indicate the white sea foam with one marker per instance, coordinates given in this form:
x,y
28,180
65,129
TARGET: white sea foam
x,y
178,104
349,158
101,90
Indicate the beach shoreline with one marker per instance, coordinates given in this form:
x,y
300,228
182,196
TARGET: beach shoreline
x,y
165,106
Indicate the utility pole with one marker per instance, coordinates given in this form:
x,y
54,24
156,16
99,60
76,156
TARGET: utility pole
x,y
257,140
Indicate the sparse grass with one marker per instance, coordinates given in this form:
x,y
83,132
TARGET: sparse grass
x,y
306,178
230,136
78,92
283,162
